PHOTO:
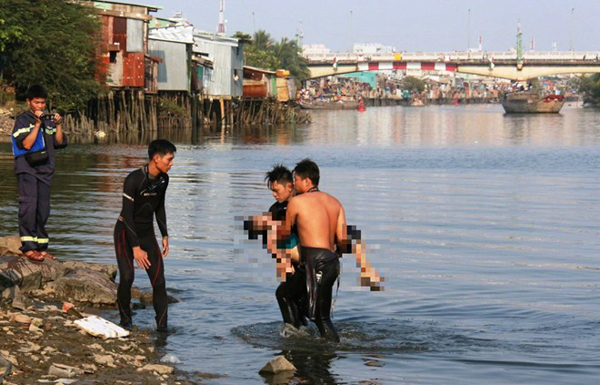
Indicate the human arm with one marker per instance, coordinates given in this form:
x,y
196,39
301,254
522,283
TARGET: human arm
x,y
161,219
282,230
369,276
60,139
27,136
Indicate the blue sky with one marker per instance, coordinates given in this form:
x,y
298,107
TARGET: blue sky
x,y
416,25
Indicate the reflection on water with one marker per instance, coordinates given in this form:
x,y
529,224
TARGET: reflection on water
x,y
486,225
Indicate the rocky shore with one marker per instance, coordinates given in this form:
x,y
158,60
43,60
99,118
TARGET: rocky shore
x,y
7,120
41,343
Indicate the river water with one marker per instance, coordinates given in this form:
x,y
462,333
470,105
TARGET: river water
x,y
485,224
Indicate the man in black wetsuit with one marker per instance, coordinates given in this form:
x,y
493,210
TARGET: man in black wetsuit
x,y
291,293
143,197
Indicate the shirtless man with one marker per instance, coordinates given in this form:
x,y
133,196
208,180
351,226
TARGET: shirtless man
x,y
321,224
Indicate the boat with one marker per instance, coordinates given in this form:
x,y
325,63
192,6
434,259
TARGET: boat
x,y
532,102
322,105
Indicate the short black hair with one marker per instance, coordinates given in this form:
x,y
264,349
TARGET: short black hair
x,y
279,174
160,146
306,168
36,91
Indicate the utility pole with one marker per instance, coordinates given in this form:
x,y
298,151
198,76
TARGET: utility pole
x,y
300,36
571,32
253,23
519,45
351,32
469,31
221,27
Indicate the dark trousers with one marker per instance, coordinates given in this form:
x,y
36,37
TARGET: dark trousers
x,y
156,273
327,273
292,298
34,210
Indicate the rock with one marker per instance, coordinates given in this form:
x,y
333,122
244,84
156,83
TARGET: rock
x,y
28,275
10,245
33,328
11,359
20,318
109,270
277,365
104,359
89,368
160,369
37,322
86,285
13,296
60,370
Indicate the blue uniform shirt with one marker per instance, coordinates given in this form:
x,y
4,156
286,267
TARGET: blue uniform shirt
x,y
23,126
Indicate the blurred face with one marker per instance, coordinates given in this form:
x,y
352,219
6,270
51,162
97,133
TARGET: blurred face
x,y
281,192
163,162
36,104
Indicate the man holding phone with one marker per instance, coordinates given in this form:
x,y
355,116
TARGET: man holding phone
x,y
35,137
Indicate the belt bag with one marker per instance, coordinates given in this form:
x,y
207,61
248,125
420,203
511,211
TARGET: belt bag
x,y
36,158
37,154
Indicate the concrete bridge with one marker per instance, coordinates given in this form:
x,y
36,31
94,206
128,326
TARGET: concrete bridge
x,y
500,64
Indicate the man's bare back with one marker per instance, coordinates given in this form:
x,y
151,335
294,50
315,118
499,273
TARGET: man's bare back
x,y
319,217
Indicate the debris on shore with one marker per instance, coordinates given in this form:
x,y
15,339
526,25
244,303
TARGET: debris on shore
x,y
41,342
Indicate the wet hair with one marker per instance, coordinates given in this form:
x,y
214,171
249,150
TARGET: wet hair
x,y
160,146
279,174
36,92
306,168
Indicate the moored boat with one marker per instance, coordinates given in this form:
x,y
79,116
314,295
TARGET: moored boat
x,y
532,102
322,105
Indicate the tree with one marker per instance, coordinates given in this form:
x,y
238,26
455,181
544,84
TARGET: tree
x,y
413,84
262,51
51,43
589,86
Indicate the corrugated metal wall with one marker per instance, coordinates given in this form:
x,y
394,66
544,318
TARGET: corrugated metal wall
x,y
135,35
173,74
226,61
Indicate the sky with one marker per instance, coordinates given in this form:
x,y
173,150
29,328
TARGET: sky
x,y
415,25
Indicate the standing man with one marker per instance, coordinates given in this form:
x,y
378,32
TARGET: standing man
x,y
291,293
321,223
35,137
143,197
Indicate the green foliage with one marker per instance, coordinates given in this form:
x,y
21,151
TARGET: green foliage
x,y
264,52
589,87
413,84
51,43
261,58
170,107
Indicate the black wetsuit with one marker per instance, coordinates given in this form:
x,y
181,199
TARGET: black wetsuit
x,y
322,270
143,196
291,294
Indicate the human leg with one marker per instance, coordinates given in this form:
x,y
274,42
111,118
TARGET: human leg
x,y
126,273
42,214
156,273
27,186
327,273
288,295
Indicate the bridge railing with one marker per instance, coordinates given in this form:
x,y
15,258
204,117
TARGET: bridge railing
x,y
456,56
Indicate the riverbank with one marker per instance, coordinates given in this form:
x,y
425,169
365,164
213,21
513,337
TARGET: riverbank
x,y
43,344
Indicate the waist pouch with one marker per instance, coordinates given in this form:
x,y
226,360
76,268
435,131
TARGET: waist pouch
x,y
36,158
